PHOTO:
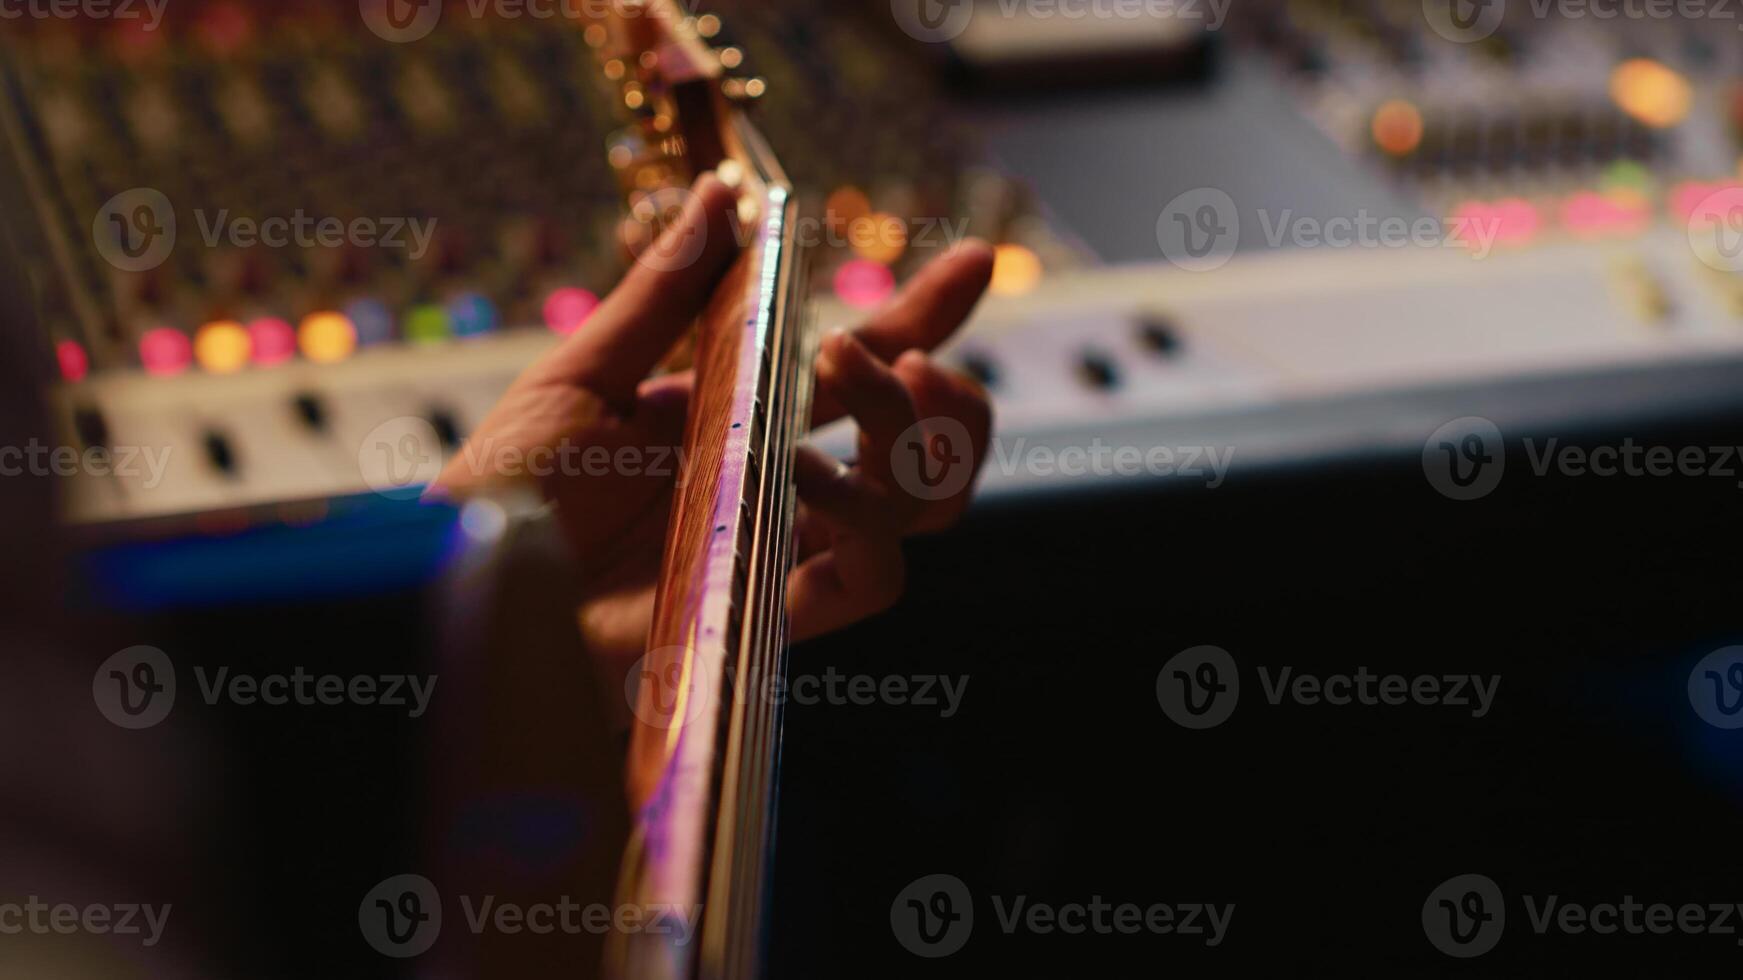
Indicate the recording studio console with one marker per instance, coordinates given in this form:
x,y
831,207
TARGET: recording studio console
x,y
276,378
1275,357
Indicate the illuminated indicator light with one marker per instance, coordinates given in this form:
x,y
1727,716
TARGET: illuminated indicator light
x,y
1590,214
473,314
327,338
1651,92
225,27
568,308
373,320
428,324
274,341
1626,174
846,206
1016,270
880,237
1686,197
1518,221
165,351
864,284
1513,221
223,347
75,364
1713,222
1397,128
137,40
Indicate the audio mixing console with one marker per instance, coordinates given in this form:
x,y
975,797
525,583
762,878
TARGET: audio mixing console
x,y
476,159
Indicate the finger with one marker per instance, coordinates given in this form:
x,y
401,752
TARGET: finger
x,y
929,309
940,393
872,394
664,292
861,576
933,304
836,491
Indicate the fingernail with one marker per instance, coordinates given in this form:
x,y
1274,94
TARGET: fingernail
x,y
967,246
836,343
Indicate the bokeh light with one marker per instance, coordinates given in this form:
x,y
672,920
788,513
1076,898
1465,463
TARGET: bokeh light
x,y
223,347
568,308
327,337
864,284
165,351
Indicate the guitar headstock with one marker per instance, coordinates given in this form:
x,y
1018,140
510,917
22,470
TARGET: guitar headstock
x,y
688,109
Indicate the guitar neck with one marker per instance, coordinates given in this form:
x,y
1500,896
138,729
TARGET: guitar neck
x,y
702,771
